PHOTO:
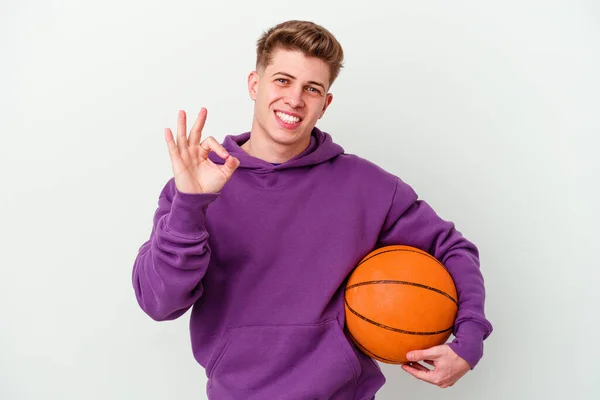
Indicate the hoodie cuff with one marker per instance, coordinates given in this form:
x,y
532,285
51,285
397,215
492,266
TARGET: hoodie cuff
x,y
188,213
468,342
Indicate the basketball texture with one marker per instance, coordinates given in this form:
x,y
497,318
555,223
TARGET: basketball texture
x,y
398,299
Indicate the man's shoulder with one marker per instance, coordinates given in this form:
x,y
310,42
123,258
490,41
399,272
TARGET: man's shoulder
x,y
360,169
358,163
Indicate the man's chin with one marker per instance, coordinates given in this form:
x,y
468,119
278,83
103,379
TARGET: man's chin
x,y
286,137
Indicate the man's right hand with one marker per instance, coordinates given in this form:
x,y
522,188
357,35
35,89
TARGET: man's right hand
x,y
193,171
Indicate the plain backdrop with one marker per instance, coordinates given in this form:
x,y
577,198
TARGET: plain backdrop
x,y
489,109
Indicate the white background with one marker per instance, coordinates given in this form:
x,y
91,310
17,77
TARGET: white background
x,y
490,110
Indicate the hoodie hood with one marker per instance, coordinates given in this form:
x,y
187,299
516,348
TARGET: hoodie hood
x,y
320,149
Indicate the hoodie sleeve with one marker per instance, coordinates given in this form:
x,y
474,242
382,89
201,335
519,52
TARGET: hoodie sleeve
x,y
413,222
170,265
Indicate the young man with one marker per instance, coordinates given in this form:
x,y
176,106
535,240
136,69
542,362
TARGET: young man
x,y
258,234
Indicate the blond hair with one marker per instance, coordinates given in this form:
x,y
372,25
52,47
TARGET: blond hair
x,y
311,39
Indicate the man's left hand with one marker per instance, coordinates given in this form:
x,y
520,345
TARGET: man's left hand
x,y
448,367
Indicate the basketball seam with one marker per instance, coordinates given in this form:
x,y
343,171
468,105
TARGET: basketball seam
x,y
365,350
395,329
419,285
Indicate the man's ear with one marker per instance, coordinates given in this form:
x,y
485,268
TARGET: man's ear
x,y
253,84
328,100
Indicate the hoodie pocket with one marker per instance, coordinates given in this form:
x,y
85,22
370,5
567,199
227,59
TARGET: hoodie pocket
x,y
301,361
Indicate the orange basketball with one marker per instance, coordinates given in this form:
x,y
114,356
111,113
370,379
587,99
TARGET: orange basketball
x,y
398,299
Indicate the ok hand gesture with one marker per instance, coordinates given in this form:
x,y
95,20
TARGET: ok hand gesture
x,y
193,171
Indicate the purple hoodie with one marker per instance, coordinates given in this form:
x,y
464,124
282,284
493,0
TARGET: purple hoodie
x,y
264,262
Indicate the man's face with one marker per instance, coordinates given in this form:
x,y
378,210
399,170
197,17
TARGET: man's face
x,y
290,95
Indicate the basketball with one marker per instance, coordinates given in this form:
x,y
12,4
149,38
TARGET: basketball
x,y
399,299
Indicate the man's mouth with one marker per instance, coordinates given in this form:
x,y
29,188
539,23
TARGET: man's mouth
x,y
287,118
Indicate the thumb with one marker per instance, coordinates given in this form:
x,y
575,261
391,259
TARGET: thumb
x,y
428,354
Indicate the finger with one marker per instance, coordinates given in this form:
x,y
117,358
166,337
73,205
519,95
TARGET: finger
x,y
429,354
173,150
182,143
429,362
427,376
210,144
196,131
181,131
418,366
230,166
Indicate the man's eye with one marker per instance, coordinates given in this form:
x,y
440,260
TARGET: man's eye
x,y
282,80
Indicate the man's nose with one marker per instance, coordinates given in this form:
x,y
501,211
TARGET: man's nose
x,y
294,98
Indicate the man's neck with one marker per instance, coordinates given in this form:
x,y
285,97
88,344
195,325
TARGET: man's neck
x,y
272,152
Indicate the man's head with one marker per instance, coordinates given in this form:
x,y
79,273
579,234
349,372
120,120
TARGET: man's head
x,y
297,62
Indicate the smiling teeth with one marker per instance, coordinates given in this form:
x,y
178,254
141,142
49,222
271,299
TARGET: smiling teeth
x,y
287,118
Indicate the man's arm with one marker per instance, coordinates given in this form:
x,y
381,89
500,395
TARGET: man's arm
x,y
169,267
413,222
168,270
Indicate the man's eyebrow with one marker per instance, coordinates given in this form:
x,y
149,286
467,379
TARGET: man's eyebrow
x,y
293,77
